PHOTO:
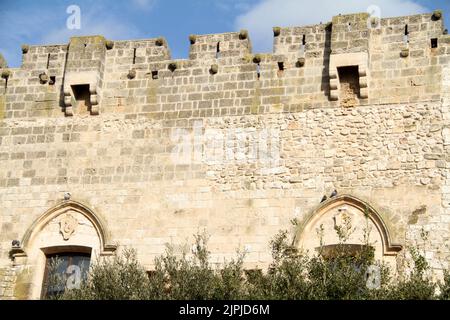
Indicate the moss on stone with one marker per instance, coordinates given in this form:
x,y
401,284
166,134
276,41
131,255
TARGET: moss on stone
x,y
6,74
131,74
87,39
23,285
214,69
243,34
172,66
109,44
404,53
300,62
25,48
276,31
437,15
43,78
257,58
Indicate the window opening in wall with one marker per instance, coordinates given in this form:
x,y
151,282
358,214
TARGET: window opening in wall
x,y
349,26
406,34
52,80
82,97
349,85
218,50
64,271
280,66
258,70
434,43
48,60
155,75
302,46
134,55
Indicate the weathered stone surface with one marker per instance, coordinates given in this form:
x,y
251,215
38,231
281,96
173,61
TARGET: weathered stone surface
x,y
238,152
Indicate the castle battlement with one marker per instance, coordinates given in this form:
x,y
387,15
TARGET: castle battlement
x,y
352,60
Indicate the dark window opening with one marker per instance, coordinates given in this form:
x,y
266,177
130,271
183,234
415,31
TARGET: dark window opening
x,y
48,60
280,69
52,80
349,85
154,75
434,43
134,55
64,271
82,97
218,50
406,34
349,26
281,66
258,71
302,47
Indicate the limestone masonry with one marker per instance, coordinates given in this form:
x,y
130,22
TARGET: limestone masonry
x,y
112,144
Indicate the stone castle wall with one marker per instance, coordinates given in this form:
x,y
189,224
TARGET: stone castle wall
x,y
227,141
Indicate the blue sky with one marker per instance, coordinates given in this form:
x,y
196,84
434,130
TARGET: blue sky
x,y
44,21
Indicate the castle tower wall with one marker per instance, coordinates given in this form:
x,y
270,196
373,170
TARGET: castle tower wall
x,y
229,141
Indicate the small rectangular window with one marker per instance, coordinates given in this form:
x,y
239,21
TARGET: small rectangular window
x,y
434,43
82,98
349,84
280,66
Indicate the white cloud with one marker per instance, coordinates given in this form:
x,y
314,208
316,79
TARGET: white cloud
x,y
144,4
94,21
40,26
260,19
229,5
109,27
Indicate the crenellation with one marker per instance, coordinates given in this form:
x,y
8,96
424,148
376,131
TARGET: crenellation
x,y
140,67
212,47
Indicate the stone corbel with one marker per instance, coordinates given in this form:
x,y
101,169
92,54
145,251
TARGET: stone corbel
x,y
68,101
359,59
363,90
81,78
334,86
94,99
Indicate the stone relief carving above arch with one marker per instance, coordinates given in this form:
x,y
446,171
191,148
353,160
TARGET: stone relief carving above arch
x,y
64,214
68,225
331,212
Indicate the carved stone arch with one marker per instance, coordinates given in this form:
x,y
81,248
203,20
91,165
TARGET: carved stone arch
x,y
69,226
383,232
106,247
